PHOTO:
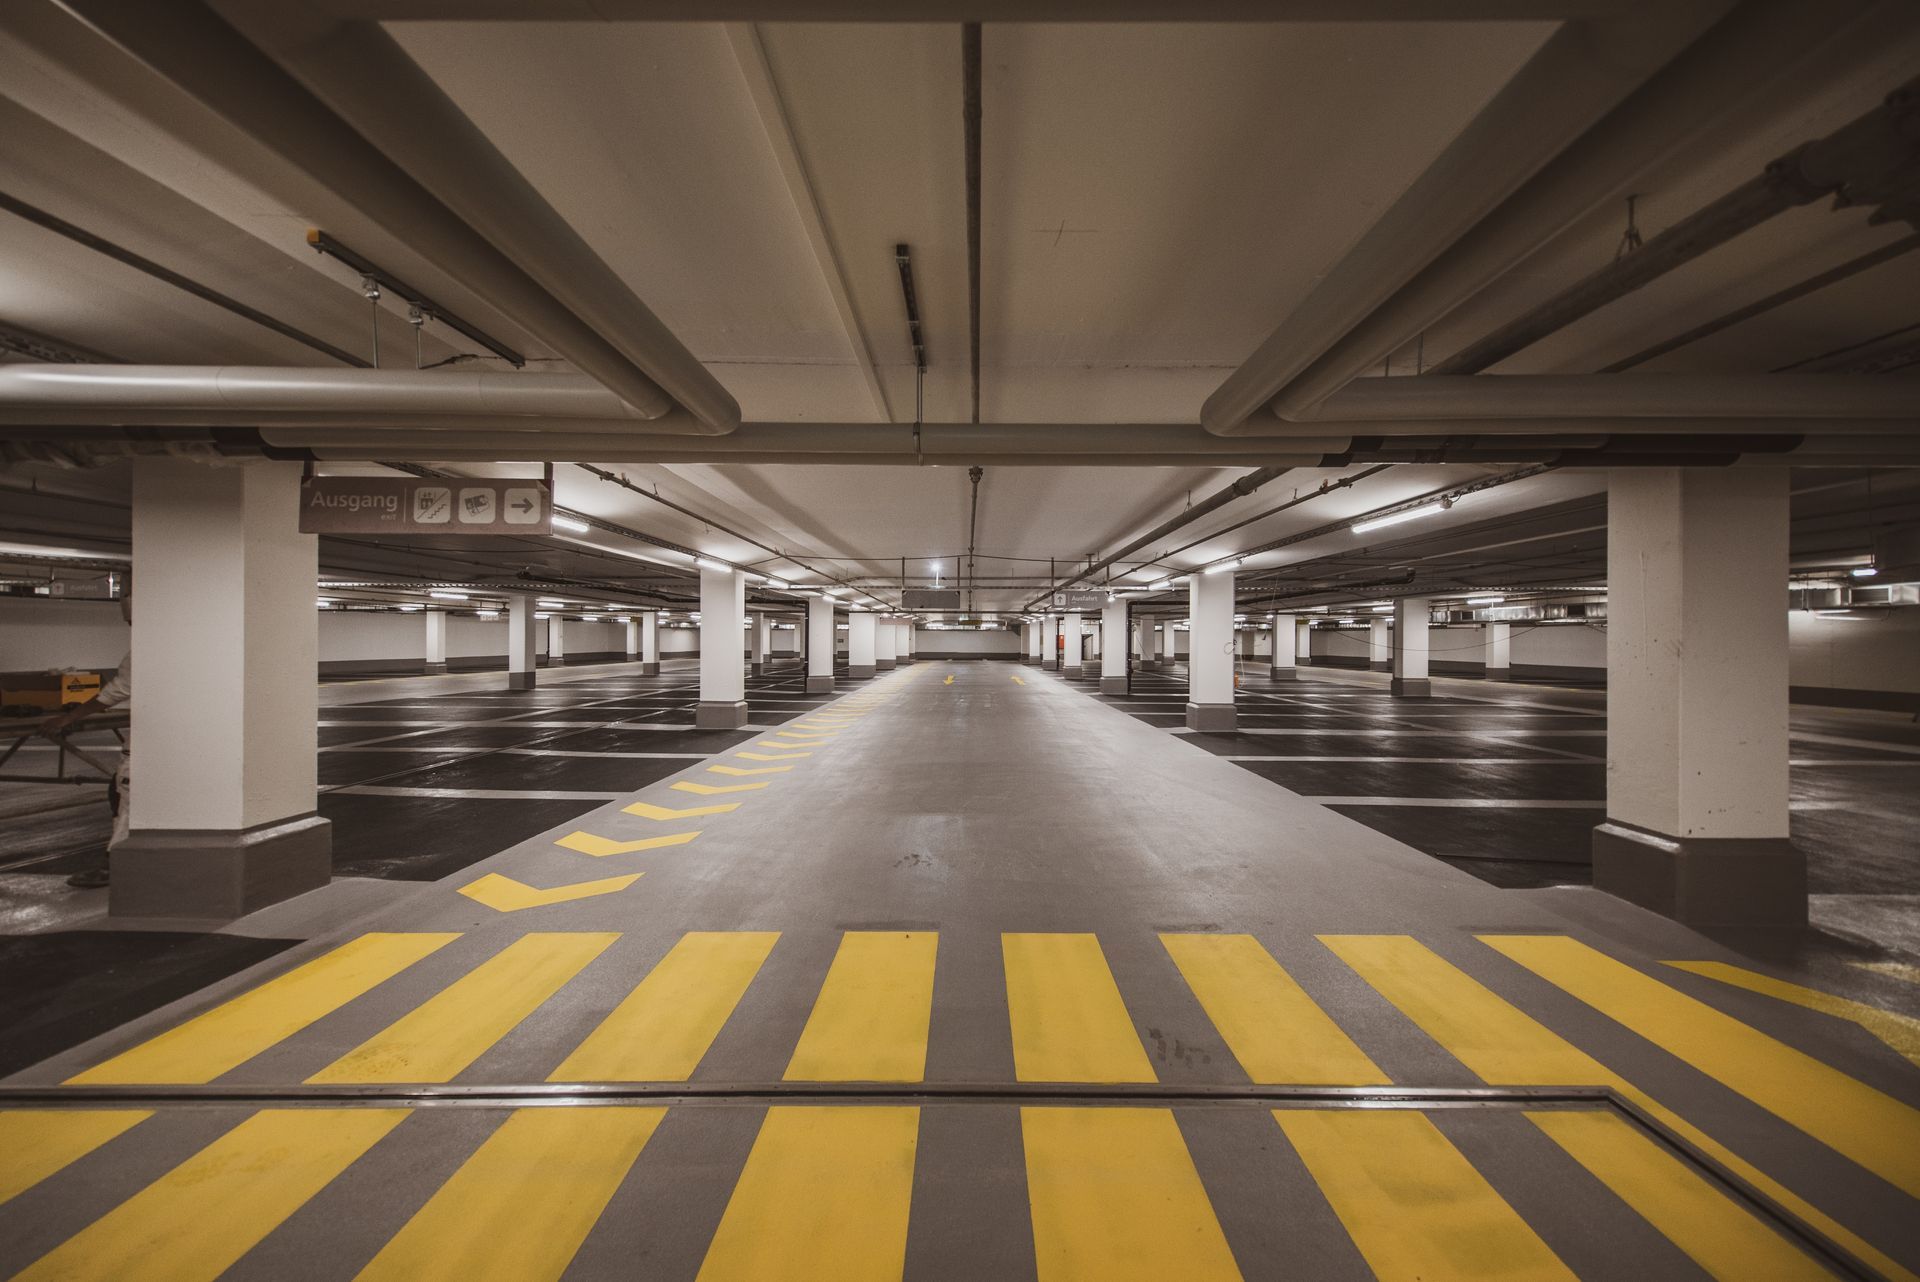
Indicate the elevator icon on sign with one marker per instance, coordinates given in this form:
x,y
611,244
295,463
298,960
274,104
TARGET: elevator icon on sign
x,y
432,505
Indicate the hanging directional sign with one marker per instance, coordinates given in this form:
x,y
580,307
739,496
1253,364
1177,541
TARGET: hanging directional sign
x,y
1079,600
423,505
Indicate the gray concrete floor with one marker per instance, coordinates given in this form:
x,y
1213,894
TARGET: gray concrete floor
x,y
973,801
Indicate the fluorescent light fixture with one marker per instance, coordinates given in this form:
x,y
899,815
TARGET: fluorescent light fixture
x,y
541,615
780,584
1155,587
1863,571
489,614
621,618
413,607
1382,609
572,524
708,563
1218,566
552,605
323,602
448,596
1425,509
1485,600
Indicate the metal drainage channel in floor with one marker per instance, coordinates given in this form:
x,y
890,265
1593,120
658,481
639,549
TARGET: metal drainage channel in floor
x,y
1105,1167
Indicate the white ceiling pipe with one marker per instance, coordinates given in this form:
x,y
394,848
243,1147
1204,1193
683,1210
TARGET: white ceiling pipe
x,y
1402,277
195,49
362,73
1583,396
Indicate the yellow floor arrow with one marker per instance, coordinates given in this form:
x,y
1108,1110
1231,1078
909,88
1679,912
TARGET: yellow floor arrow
x,y
748,770
1017,681
772,756
949,681
600,847
504,894
710,790
647,810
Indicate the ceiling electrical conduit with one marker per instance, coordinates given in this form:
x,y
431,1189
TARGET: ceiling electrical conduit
x,y
1441,397
1441,244
188,44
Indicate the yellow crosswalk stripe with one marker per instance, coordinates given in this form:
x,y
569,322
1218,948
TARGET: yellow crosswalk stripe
x,y
1872,1128
1900,1032
1726,1240
1506,1047
748,770
714,790
1412,1203
509,895
869,1023
192,1223
1274,1029
36,1143
233,1032
1115,1197
1069,1023
519,1208
661,814
600,847
824,1197
440,1038
771,756
660,1030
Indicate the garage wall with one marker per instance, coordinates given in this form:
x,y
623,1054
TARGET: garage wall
x,y
36,635
1833,660
932,644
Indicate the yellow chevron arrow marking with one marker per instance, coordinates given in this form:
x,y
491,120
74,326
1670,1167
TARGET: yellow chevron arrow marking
x,y
772,756
600,847
709,790
809,734
1017,681
748,770
504,894
782,743
646,810
948,681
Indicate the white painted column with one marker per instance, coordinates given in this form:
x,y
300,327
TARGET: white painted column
x,y
723,674
1210,652
762,632
1499,639
1285,646
436,640
1697,698
903,651
1030,642
1149,650
820,645
862,660
1113,648
1303,642
886,640
556,640
633,638
1050,642
224,704
1410,618
1379,645
1070,656
650,644
522,647
1170,648
1245,642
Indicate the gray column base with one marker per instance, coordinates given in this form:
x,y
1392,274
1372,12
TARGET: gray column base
x,y
1212,717
1499,674
1303,661
757,669
556,661
820,685
1115,686
1380,665
436,669
1410,688
519,680
1073,673
883,665
202,875
859,671
1703,881
1282,674
1032,661
1050,665
719,714
650,668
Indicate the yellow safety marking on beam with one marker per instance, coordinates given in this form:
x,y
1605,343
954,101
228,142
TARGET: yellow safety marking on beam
x,y
1893,969
439,1039
600,847
748,770
36,1143
1872,1128
662,814
660,1030
1506,1047
1725,1239
824,1197
714,790
869,1023
771,756
233,1032
1017,681
505,894
1900,1032
1412,1202
194,1222
1069,1024
1277,1032
1115,1197
519,1208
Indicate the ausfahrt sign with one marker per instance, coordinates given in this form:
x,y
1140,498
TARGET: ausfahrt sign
x,y
425,505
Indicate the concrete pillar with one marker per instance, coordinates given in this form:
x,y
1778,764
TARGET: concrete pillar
x,y
861,659
762,632
904,652
1499,638
1696,823
1113,648
1170,647
522,647
1071,653
1285,647
1379,645
1303,642
886,639
226,644
649,644
633,638
436,640
556,640
1210,652
1410,617
1050,642
1246,643
1037,643
723,674
1149,651
820,645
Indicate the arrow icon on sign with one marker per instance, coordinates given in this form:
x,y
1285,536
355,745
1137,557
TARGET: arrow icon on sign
x,y
524,505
